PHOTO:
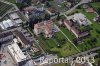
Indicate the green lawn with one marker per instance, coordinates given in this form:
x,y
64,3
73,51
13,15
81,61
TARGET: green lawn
x,y
63,4
73,12
64,49
52,42
67,33
95,26
96,5
97,60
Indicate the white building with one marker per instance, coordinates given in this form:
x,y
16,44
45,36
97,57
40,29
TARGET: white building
x,y
81,19
16,53
6,24
18,21
2,26
10,23
14,16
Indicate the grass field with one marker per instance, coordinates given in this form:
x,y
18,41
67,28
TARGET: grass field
x,y
96,5
4,8
66,50
67,32
57,44
85,45
95,26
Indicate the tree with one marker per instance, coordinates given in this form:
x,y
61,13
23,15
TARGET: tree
x,y
97,31
94,40
75,41
79,7
98,10
28,2
58,16
95,0
47,16
48,4
98,62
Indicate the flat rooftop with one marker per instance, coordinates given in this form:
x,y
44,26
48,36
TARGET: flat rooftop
x,y
16,52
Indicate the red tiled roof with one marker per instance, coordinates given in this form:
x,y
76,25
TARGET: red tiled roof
x,y
90,10
46,26
74,29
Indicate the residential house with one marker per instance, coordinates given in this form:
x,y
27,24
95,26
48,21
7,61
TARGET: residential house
x,y
81,19
34,15
45,27
85,6
74,30
90,10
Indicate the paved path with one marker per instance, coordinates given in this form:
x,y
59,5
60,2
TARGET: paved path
x,y
86,52
81,2
70,10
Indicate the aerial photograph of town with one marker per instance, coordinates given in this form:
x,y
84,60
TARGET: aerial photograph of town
x,y
49,32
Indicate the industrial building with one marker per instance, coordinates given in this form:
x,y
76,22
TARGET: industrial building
x,y
6,24
15,17
5,36
16,53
